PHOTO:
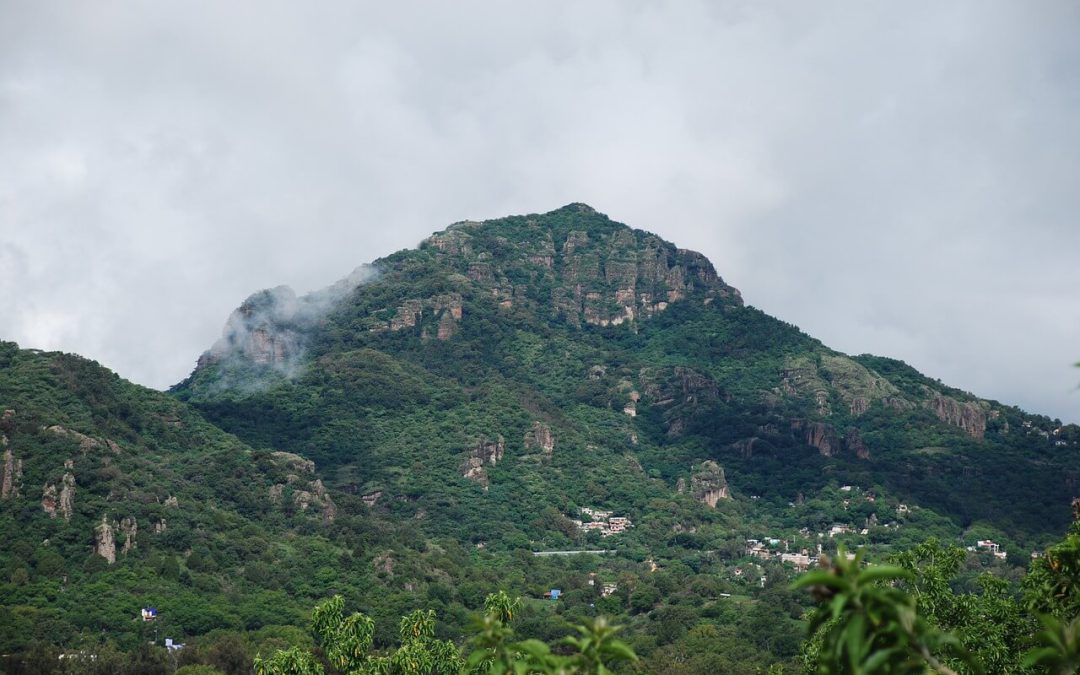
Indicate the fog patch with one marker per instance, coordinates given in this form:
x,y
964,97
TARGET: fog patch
x,y
265,339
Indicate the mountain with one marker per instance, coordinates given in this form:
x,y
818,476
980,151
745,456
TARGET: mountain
x,y
429,383
410,436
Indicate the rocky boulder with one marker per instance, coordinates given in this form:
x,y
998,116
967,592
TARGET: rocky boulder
x,y
708,484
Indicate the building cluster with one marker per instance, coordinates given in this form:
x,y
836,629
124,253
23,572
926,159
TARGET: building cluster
x,y
802,560
988,546
602,522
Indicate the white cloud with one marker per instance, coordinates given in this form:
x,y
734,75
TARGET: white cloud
x,y
894,178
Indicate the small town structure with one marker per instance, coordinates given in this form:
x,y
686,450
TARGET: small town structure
x,y
989,546
602,522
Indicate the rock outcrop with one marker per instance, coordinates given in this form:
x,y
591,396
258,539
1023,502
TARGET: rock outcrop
x,y
49,498
539,437
708,484
818,435
105,540
62,500
968,416
129,527
449,310
605,275
86,443
10,472
315,493
293,461
270,328
486,453
853,443
745,446
681,393
816,377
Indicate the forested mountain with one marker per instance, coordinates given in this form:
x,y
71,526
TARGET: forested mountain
x,y
410,436
585,363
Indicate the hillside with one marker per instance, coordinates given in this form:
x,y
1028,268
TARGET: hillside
x,y
430,384
410,436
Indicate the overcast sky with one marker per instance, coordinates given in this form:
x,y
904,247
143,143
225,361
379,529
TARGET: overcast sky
x,y
901,178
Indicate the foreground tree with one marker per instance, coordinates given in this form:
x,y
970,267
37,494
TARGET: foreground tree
x,y
906,619
346,643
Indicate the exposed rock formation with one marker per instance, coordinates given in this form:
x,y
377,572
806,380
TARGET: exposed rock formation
x,y
486,453
172,502
745,446
11,478
316,493
815,377
49,499
447,327
270,327
262,330
106,540
708,484
323,500
604,276
318,497
160,526
86,443
408,315
853,442
968,416
857,385
293,461
540,437
129,527
800,377
818,435
64,500
681,393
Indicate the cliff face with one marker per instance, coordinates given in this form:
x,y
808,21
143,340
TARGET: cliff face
x,y
969,416
605,275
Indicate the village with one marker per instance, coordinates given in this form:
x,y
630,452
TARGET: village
x,y
601,521
804,549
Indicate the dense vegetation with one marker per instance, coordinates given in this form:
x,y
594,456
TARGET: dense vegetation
x,y
459,411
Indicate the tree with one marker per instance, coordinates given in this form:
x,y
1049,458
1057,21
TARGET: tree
x,y
866,624
346,641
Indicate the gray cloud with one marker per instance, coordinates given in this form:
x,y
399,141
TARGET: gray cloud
x,y
896,178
